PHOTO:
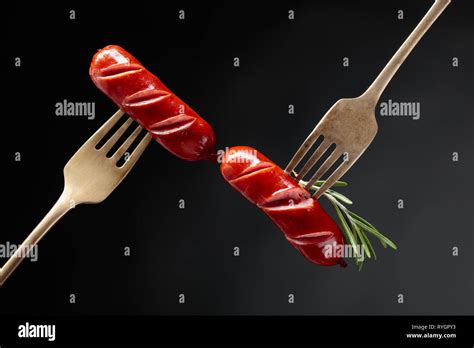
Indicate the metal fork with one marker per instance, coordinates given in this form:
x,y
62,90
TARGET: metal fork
x,y
89,177
350,123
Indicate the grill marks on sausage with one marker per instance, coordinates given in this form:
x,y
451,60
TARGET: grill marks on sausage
x,y
145,97
300,217
287,199
172,125
311,238
118,70
140,94
253,170
152,97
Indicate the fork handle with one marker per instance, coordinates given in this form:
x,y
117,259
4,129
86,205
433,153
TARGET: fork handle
x,y
375,90
61,207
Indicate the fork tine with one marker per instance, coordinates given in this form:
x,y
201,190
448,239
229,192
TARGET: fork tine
x,y
136,153
116,136
336,175
324,167
320,150
126,144
106,127
303,150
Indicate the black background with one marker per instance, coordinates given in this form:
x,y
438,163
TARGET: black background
x,y
190,251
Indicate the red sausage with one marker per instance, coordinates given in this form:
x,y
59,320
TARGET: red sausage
x,y
301,218
145,98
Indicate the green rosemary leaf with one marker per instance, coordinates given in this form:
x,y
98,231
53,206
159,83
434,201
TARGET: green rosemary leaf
x,y
361,236
376,233
319,183
345,227
369,244
364,221
360,218
353,226
346,220
336,184
339,196
355,230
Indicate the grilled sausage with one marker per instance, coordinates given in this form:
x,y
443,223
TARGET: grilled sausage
x,y
300,217
145,98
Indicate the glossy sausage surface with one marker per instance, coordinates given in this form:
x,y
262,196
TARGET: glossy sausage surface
x,y
145,98
300,217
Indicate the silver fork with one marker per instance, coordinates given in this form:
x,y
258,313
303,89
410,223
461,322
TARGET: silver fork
x,y
350,123
89,177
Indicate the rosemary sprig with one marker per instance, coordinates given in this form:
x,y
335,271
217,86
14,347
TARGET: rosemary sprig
x,y
354,227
